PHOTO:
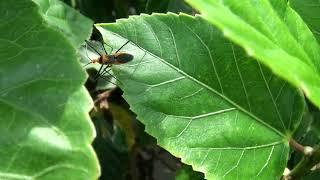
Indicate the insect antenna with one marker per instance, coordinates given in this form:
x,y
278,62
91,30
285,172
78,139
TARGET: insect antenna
x,y
88,44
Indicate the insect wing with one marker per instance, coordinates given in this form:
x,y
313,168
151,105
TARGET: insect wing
x,y
96,47
123,58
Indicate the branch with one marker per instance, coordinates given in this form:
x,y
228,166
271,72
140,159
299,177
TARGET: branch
x,y
310,159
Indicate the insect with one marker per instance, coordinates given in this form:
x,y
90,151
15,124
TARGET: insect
x,y
107,60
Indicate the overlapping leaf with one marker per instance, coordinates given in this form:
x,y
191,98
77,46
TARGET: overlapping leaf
x,y
45,128
309,10
71,23
274,34
202,97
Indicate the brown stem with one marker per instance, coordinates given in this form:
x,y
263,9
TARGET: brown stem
x,y
102,96
298,147
309,160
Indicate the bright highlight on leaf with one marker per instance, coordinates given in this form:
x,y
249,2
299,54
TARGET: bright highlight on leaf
x,y
203,98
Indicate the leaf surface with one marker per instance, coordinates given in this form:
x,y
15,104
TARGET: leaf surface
x,y
274,34
309,10
202,97
67,20
45,128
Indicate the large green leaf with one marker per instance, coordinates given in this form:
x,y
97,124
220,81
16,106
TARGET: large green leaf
x,y
45,128
274,34
309,10
71,23
203,99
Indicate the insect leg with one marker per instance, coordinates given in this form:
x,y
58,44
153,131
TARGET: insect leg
x,y
88,43
108,80
107,45
101,69
122,46
107,72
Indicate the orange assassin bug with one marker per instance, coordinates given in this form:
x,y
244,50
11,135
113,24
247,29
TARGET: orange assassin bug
x,y
107,60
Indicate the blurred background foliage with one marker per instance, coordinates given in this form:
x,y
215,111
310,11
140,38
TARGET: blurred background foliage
x,y
124,150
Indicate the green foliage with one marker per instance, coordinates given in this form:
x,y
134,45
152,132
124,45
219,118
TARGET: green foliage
x,y
274,34
309,11
205,102
71,23
229,111
45,129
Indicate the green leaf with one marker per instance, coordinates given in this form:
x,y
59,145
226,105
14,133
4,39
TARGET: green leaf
x,y
67,20
274,34
202,97
45,128
309,10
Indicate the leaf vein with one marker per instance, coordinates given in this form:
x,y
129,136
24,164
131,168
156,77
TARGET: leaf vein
x,y
267,161
210,56
271,96
241,148
154,34
241,78
235,166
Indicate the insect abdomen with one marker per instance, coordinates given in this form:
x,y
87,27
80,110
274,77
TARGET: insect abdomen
x,y
123,58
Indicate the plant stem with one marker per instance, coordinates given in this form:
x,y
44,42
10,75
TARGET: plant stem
x,y
309,160
296,145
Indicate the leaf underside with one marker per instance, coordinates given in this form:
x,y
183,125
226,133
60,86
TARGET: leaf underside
x,y
202,97
45,128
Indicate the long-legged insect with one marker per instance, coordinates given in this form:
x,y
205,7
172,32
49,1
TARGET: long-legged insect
x,y
107,60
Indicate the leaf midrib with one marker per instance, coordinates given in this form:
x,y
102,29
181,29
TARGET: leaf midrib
x,y
211,89
208,87
275,143
219,94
